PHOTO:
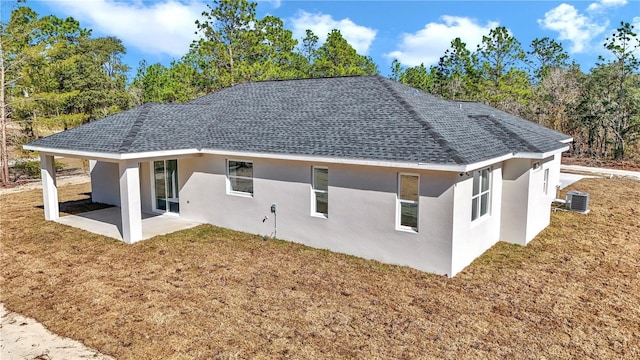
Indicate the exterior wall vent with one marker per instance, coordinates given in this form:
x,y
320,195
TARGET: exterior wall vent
x,y
578,201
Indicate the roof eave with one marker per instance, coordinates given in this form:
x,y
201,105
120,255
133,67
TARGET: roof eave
x,y
116,157
539,156
361,162
106,156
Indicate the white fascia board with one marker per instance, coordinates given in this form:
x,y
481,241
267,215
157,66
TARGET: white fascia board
x,y
113,157
332,160
74,153
162,154
363,162
566,141
539,156
486,163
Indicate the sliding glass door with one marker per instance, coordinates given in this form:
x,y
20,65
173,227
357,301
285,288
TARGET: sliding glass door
x,y
165,178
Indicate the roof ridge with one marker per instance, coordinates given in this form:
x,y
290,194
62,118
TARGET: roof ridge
x,y
135,128
416,116
499,124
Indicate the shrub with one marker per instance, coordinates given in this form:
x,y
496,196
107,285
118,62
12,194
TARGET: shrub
x,y
31,168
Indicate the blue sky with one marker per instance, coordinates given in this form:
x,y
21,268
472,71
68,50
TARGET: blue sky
x,y
413,32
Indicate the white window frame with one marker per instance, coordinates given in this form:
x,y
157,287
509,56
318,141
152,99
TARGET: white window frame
x,y
230,191
400,201
315,192
545,181
481,193
176,184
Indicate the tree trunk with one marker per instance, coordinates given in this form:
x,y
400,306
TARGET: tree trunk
x,y
4,154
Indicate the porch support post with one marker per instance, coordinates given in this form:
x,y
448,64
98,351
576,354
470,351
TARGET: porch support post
x,y
130,201
49,187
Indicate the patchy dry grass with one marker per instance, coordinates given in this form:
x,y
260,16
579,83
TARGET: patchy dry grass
x,y
205,293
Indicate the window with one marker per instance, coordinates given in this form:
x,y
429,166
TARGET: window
x,y
320,185
545,182
481,193
240,177
407,206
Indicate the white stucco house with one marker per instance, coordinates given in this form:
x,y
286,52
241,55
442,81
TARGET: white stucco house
x,y
359,165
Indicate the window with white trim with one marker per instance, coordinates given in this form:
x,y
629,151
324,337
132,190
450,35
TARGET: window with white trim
x,y
320,186
481,193
545,182
407,202
240,177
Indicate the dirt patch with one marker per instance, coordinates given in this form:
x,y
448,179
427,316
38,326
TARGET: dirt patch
x,y
211,293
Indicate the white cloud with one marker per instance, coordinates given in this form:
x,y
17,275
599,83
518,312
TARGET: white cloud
x,y
603,4
358,36
275,3
157,27
577,28
429,44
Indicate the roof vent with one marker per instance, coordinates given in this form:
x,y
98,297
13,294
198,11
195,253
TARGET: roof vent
x,y
578,201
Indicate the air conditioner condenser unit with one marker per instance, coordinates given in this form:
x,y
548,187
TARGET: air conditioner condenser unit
x,y
578,201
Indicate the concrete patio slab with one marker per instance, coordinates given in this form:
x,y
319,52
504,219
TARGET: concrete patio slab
x,y
567,179
107,222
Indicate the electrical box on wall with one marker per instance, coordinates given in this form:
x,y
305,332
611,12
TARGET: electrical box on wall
x,y
273,208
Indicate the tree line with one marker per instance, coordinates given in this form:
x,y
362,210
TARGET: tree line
x,y
600,109
55,75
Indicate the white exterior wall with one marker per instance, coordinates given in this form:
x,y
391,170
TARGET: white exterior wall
x,y
539,214
472,238
146,194
362,209
515,192
526,208
105,180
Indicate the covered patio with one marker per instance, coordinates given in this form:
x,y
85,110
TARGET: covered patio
x,y
126,221
108,222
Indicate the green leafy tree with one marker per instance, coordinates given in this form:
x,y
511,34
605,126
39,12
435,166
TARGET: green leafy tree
x,y
307,52
609,104
227,39
158,83
99,75
26,43
417,76
623,106
275,56
547,54
504,84
337,58
237,46
455,75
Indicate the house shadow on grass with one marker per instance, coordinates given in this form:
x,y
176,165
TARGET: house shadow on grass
x,y
74,207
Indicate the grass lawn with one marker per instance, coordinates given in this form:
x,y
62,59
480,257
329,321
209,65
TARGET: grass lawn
x,y
211,293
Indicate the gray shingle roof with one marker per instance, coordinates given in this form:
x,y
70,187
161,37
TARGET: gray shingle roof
x,y
368,117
